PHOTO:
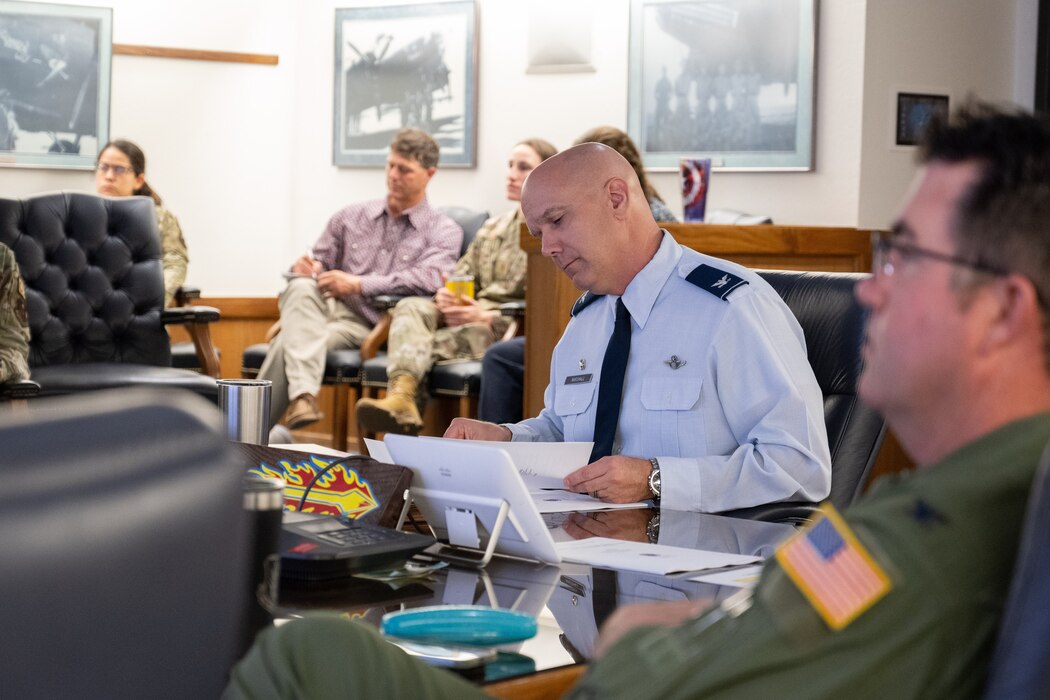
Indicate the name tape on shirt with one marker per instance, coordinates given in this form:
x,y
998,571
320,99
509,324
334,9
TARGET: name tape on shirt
x,y
578,378
833,570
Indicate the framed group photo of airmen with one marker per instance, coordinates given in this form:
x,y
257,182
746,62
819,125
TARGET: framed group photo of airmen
x,y
731,80
55,65
405,66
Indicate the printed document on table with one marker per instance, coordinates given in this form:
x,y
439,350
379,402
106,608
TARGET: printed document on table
x,y
647,558
542,465
562,501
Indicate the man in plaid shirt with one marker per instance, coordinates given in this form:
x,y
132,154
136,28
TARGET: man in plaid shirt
x,y
395,245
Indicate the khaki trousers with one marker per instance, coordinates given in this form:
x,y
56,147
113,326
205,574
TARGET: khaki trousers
x,y
310,326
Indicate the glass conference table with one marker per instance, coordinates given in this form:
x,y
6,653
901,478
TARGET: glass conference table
x,y
569,601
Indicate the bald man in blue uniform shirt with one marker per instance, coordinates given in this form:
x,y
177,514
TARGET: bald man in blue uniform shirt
x,y
718,394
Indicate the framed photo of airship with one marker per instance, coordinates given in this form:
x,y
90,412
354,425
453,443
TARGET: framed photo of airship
x,y
730,80
405,66
55,63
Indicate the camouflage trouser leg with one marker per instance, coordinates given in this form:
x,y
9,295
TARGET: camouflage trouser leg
x,y
416,342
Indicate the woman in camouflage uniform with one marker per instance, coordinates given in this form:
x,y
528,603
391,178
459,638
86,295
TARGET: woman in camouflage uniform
x,y
14,328
121,172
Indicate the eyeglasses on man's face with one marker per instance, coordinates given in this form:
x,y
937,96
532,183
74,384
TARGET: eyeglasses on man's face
x,y
117,170
889,253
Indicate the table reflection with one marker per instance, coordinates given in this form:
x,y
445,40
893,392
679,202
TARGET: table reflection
x,y
569,600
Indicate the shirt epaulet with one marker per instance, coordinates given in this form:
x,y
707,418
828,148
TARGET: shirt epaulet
x,y
584,301
712,280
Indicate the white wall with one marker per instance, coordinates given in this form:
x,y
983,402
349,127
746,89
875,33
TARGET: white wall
x,y
962,47
217,136
242,153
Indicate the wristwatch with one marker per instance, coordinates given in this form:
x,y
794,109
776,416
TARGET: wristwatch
x,y
654,479
652,530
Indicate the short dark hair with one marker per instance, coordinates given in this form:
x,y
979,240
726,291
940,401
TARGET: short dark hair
x,y
417,145
1003,220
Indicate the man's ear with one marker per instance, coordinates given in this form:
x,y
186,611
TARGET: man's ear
x,y
618,192
1016,310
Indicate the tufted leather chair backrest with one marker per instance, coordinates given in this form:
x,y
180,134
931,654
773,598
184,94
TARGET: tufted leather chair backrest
x,y
94,284
833,323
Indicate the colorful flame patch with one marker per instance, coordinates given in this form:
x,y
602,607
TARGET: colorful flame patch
x,y
340,492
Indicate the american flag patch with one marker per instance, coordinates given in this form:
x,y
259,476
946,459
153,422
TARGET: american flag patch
x,y
833,570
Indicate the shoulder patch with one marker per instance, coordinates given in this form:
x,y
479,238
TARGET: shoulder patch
x,y
584,301
715,281
833,570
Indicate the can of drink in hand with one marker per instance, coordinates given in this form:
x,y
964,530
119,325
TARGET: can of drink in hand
x,y
461,285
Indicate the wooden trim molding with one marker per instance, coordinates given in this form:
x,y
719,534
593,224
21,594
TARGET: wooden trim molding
x,y
194,54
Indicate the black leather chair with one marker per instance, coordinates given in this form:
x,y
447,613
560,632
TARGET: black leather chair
x,y
348,370
95,291
833,323
124,548
1020,668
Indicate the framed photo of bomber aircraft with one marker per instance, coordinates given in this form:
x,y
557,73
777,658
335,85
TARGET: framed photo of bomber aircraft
x,y
405,66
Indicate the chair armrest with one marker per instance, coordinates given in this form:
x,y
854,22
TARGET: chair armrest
x,y
376,337
185,296
197,320
189,314
514,309
17,390
797,513
387,301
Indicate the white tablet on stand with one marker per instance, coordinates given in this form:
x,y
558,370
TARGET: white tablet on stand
x,y
472,497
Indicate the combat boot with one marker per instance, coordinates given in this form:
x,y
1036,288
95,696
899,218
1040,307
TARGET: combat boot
x,y
397,413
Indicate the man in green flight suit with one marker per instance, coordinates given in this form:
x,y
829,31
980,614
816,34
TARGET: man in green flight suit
x,y
14,329
957,359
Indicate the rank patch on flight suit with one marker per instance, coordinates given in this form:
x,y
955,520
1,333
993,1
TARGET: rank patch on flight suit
x,y
833,570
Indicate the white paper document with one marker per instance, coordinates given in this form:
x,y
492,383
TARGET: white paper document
x,y
378,451
562,501
647,558
542,464
744,577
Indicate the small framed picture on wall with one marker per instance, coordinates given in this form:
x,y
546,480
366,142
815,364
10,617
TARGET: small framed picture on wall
x,y
914,112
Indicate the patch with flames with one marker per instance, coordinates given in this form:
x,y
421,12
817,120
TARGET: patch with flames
x,y
341,491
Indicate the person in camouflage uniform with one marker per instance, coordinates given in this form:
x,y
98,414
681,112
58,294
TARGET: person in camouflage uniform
x,y
900,596
450,327
14,324
121,172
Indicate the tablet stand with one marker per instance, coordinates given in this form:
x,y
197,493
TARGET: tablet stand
x,y
462,546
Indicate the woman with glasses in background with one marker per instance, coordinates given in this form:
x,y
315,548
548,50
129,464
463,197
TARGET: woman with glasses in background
x,y
121,172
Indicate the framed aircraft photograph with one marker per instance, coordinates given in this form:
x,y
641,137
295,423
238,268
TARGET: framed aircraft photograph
x,y
732,81
55,63
405,66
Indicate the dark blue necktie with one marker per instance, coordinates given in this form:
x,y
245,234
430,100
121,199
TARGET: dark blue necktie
x,y
610,385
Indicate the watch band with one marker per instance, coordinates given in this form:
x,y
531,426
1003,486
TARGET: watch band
x,y
654,479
